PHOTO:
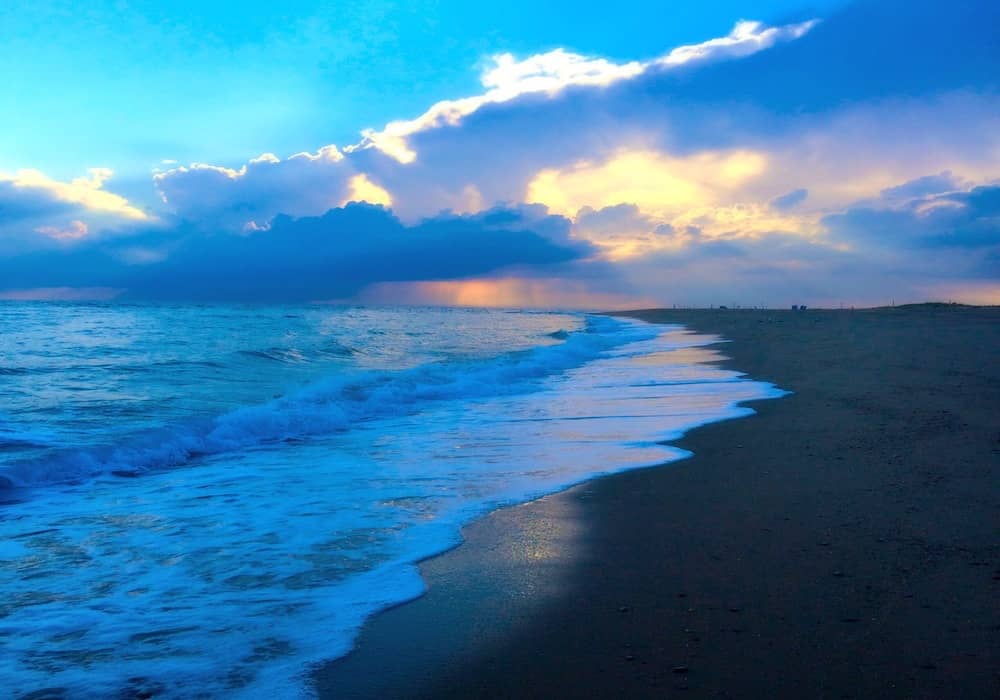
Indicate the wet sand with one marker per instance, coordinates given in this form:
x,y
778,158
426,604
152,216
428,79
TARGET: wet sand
x,y
842,543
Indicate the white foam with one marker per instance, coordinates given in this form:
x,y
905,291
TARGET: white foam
x,y
231,577
322,407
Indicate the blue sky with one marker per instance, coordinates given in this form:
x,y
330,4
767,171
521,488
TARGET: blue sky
x,y
126,83
534,154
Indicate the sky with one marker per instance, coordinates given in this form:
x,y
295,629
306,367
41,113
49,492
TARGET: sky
x,y
545,154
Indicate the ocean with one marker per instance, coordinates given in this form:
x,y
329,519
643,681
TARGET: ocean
x,y
207,501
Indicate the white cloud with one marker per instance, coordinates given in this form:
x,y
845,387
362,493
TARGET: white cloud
x,y
687,178
746,38
249,196
551,72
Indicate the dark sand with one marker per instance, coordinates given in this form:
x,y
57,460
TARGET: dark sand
x,y
843,542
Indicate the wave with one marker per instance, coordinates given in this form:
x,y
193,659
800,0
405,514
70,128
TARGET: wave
x,y
15,438
289,355
284,355
12,440
244,571
326,407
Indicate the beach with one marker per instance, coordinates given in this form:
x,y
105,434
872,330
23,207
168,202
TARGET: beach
x,y
842,542
226,543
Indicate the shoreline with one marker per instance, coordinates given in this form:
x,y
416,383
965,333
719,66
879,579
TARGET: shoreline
x,y
737,572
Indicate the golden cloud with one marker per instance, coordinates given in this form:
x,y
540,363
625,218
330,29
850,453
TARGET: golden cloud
x,y
675,199
87,191
658,183
362,189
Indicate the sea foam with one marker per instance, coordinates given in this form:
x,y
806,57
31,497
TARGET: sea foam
x,y
248,545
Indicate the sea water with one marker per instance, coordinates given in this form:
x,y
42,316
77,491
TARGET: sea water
x,y
205,501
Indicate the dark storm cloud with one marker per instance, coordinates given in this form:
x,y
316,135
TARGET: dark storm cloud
x,y
955,220
18,205
329,256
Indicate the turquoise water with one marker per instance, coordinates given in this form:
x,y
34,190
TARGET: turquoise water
x,y
205,501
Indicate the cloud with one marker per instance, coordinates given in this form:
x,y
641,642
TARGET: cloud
x,y
550,113
361,189
309,184
75,229
656,182
302,184
38,212
623,231
332,256
745,39
865,51
922,186
637,202
508,79
791,199
968,219
839,160
18,205
778,270
87,193
942,246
